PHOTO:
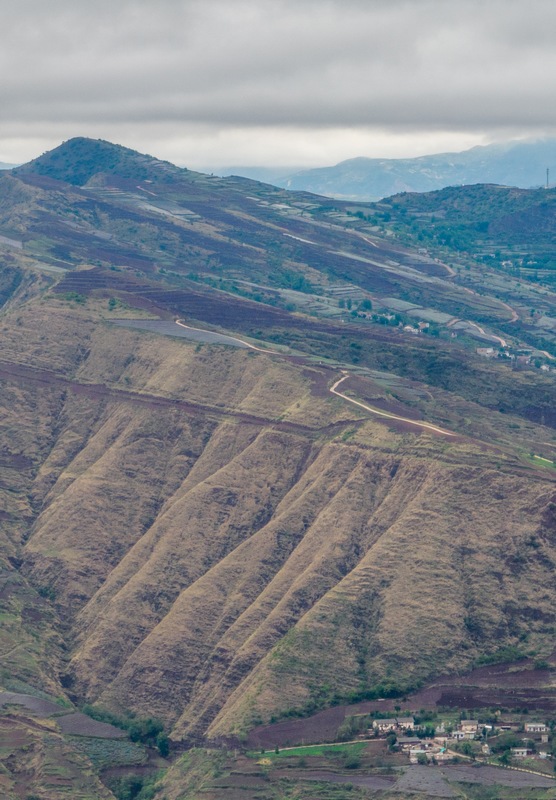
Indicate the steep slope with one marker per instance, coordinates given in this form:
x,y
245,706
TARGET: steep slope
x,y
215,568
421,575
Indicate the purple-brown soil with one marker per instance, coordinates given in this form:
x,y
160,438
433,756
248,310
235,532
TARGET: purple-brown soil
x,y
515,685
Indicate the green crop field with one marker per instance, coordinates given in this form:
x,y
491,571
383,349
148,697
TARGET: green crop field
x,y
105,753
315,750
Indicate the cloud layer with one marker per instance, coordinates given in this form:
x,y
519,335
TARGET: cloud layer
x,y
202,80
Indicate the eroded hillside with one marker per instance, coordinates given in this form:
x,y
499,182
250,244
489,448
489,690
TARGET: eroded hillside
x,y
216,540
206,533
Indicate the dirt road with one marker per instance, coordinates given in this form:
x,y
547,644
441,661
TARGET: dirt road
x,y
334,389
426,425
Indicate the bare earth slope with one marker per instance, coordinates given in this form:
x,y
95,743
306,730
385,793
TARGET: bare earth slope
x,y
214,567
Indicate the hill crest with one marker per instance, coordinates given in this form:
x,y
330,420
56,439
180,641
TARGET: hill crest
x,y
78,160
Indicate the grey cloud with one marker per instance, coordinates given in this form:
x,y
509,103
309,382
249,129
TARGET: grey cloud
x,y
461,65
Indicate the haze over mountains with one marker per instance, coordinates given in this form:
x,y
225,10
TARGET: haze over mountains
x,y
210,531
519,163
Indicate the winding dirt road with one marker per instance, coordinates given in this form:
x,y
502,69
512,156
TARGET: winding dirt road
x,y
235,338
334,389
426,425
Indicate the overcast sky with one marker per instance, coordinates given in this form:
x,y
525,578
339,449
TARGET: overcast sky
x,y
275,82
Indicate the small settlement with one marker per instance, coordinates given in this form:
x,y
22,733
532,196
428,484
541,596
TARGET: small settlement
x,y
441,741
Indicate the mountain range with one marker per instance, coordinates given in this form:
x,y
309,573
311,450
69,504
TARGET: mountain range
x,y
253,468
517,163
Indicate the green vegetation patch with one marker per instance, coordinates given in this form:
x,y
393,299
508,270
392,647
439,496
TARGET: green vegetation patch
x,y
134,787
106,753
74,297
501,656
316,750
148,730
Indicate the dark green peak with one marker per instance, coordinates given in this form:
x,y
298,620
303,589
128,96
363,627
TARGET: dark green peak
x,y
79,160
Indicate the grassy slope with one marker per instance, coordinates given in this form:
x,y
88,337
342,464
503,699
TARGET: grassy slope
x,y
258,569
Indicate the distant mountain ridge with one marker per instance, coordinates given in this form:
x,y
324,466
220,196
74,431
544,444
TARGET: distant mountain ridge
x,y
518,163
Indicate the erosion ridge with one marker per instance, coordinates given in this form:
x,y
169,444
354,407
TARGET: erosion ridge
x,y
293,553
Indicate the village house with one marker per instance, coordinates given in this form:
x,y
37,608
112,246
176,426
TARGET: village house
x,y
459,736
486,352
394,724
436,754
406,743
536,727
521,752
385,725
467,729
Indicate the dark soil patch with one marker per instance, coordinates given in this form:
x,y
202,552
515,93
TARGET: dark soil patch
x,y
506,676
135,769
492,776
321,727
375,782
32,615
471,697
509,685
321,380
239,781
427,267
369,392
15,461
34,704
81,725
